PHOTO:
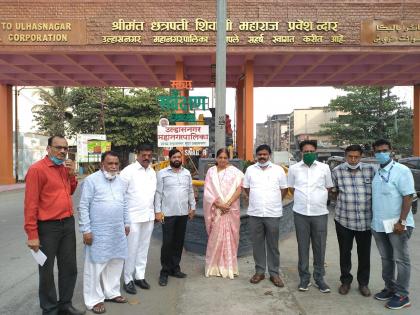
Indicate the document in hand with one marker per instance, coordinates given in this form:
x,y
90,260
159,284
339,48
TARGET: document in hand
x,y
39,257
389,225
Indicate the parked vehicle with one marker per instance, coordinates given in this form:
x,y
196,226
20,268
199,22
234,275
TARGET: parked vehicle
x,y
413,163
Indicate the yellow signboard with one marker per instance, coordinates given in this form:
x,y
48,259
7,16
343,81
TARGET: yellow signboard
x,y
43,32
390,33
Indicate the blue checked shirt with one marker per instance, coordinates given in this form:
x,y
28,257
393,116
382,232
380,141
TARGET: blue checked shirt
x,y
353,209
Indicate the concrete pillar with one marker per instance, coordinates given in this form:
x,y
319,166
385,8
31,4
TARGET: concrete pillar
x,y
240,122
416,121
249,110
6,135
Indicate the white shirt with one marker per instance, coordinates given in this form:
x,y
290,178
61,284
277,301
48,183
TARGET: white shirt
x,y
264,190
310,184
140,193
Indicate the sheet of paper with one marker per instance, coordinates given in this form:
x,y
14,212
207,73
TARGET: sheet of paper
x,y
389,225
39,257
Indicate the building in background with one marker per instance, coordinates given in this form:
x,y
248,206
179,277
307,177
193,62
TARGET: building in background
x,y
306,124
274,132
283,132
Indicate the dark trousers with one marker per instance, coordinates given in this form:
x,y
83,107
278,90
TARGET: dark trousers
x,y
57,239
173,231
345,238
265,244
311,230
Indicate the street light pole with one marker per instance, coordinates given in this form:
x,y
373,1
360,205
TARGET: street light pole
x,y
220,119
16,135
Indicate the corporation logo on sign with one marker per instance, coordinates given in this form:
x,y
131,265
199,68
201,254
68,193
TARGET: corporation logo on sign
x,y
163,122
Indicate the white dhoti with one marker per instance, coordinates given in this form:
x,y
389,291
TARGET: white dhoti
x,y
109,272
138,247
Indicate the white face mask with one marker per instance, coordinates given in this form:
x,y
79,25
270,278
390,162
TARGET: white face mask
x,y
352,167
263,164
109,175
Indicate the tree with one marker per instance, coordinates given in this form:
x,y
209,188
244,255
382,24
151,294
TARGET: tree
x,y
88,109
368,113
54,116
132,119
402,131
127,119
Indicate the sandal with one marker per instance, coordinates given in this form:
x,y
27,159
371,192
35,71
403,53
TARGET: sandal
x,y
117,299
99,308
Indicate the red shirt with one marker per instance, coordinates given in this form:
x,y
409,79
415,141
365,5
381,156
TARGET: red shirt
x,y
48,194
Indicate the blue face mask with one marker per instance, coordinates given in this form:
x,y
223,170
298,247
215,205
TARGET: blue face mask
x,y
56,160
382,157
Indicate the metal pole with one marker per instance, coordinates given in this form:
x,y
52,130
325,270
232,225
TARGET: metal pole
x,y
16,135
220,119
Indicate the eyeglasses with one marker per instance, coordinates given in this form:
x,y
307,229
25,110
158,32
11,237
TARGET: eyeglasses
x,y
59,148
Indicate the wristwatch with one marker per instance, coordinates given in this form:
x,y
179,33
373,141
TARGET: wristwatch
x,y
402,222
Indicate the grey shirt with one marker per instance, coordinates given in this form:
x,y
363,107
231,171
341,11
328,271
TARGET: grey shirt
x,y
174,192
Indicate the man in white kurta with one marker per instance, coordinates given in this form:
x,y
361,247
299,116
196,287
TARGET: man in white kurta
x,y
103,220
140,179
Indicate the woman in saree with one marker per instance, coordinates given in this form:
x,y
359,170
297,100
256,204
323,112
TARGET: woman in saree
x,y
222,190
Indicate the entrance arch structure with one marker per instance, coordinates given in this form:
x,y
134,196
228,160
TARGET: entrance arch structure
x,y
148,43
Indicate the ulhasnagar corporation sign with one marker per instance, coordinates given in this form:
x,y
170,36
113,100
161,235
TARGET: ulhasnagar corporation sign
x,y
183,136
43,32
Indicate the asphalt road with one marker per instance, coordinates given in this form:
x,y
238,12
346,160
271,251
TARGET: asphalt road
x,y
19,272
197,294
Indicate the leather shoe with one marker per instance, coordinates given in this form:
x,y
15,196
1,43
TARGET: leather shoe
x,y
178,274
163,280
257,278
71,310
130,288
364,290
277,281
344,288
142,283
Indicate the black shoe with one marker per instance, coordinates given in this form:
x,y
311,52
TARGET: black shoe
x,y
163,280
178,274
130,288
71,310
142,283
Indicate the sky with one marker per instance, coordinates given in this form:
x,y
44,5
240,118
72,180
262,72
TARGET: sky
x,y
267,101
270,101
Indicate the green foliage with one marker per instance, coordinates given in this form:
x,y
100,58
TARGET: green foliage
x,y
401,134
246,164
54,116
127,117
370,113
88,108
132,119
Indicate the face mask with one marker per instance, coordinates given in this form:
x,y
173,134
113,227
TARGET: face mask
x,y
382,157
309,158
109,176
56,160
352,167
267,163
